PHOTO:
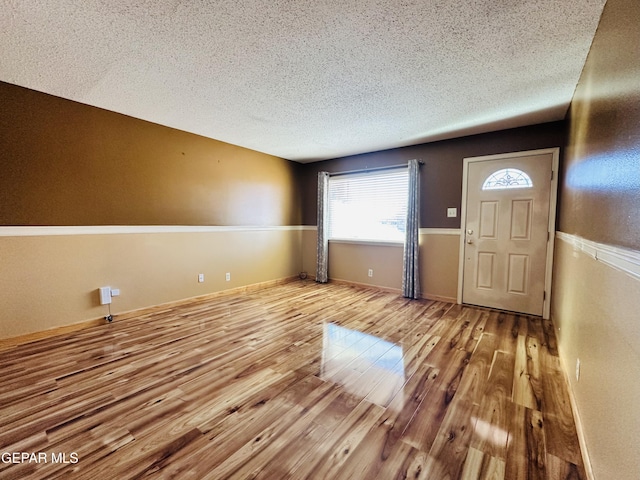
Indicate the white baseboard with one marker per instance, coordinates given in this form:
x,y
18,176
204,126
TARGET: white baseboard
x,y
586,460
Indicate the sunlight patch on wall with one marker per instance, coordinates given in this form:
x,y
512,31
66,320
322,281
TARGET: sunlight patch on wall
x,y
613,172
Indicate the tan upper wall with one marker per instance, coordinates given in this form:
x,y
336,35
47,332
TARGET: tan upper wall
x,y
66,163
600,197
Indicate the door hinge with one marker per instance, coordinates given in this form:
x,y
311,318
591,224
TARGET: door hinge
x,y
544,295
548,235
551,174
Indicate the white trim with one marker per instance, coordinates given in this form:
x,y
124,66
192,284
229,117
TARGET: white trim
x,y
377,243
625,260
423,231
463,223
440,231
134,229
546,307
582,440
553,207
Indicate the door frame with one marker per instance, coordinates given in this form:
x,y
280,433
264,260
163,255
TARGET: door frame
x,y
553,200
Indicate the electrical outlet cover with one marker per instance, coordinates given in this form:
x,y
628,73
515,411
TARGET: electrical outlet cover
x,y
105,295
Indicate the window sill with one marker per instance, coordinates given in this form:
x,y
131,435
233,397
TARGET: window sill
x,y
378,243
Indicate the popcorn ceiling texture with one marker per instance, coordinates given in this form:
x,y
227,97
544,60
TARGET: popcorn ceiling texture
x,y
306,80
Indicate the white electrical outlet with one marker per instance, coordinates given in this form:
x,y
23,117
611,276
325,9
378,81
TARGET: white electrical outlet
x,y
452,212
200,277
370,273
577,369
227,277
115,292
105,295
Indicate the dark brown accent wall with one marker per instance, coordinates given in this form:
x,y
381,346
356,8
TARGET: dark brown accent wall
x,y
441,174
66,163
600,195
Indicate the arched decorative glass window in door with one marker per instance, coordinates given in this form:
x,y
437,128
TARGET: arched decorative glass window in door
x,y
507,178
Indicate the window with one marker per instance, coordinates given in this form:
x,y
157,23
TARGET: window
x,y
507,178
368,206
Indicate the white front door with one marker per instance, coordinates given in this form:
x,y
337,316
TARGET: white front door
x,y
507,233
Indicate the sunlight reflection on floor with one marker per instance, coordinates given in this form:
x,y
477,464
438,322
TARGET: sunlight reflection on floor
x,y
365,365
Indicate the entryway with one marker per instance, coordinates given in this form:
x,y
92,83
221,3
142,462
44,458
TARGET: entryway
x,y
508,227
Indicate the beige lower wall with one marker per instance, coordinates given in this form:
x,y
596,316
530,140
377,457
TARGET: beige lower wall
x,y
309,248
51,281
351,262
439,258
595,309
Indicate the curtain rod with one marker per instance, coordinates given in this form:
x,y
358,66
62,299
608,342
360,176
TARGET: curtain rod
x,y
374,169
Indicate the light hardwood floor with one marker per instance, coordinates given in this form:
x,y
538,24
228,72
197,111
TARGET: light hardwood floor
x,y
295,381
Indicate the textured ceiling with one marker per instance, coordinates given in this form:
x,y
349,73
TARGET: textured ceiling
x,y
306,79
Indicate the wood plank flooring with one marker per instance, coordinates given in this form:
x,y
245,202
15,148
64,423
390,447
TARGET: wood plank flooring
x,y
295,381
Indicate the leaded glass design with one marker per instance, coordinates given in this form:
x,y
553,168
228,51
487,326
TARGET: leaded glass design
x,y
507,178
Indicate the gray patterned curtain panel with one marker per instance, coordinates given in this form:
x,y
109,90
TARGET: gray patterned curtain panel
x,y
323,242
410,268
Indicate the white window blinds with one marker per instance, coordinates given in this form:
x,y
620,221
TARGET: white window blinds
x,y
368,206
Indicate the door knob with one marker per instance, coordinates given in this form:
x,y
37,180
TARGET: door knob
x,y
469,241
469,232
